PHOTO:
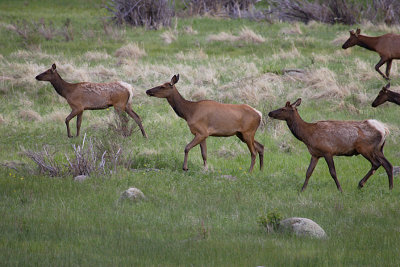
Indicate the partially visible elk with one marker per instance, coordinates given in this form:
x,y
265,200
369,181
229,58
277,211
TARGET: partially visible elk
x,y
338,138
387,46
209,118
386,95
91,96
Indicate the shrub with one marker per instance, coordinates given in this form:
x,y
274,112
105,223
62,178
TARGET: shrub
x,y
336,11
229,8
148,13
271,221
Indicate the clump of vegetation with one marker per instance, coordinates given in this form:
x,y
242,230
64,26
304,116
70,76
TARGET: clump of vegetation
x,y
271,221
337,11
90,157
148,13
229,8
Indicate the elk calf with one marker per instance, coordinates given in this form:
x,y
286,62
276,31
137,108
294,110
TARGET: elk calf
x,y
387,46
91,96
209,118
386,95
338,138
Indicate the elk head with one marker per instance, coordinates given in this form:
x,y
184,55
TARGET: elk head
x,y
353,40
382,96
48,75
286,112
164,90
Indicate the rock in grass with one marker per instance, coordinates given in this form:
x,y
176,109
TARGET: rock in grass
x,y
302,227
132,194
80,178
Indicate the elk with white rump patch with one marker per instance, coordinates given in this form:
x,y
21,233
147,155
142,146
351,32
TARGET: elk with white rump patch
x,y
91,96
338,138
209,118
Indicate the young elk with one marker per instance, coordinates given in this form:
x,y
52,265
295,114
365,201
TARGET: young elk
x,y
209,118
387,46
91,96
338,138
386,95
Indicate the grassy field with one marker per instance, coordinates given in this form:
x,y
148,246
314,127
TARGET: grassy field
x,y
194,218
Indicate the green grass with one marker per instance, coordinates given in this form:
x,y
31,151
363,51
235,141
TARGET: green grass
x,y
189,218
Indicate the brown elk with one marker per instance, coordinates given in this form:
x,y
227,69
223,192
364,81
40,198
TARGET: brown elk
x,y
91,96
338,138
387,46
386,95
209,118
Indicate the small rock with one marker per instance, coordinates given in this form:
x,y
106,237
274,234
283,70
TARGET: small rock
x,y
302,227
132,194
396,170
80,178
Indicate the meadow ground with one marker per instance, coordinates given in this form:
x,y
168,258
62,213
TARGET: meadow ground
x,y
198,217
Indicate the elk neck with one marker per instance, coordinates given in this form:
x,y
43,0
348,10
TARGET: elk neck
x,y
298,127
368,42
181,106
393,97
62,87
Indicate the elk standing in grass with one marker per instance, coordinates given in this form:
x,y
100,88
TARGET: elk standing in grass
x,y
91,96
386,95
387,46
209,118
338,138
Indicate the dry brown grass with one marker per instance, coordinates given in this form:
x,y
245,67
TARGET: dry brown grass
x,y
96,55
291,54
340,39
294,29
247,35
29,115
192,55
2,119
169,36
131,50
369,26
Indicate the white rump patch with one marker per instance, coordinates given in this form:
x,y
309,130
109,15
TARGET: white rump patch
x,y
129,88
381,128
258,112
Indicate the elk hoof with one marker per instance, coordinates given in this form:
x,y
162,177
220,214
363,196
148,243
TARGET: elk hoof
x,y
70,136
185,169
360,185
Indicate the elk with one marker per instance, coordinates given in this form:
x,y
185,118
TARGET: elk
x,y
387,46
91,96
338,138
209,118
386,95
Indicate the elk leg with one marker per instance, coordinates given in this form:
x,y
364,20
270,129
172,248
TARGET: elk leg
x,y
377,66
388,67
70,117
260,150
197,140
374,167
389,170
203,147
137,119
332,170
78,123
311,167
250,144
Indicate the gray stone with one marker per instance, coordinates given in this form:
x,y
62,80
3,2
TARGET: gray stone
x,y
80,178
132,194
302,227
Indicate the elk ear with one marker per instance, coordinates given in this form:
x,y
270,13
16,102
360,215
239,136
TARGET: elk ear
x,y
351,32
297,103
358,32
287,104
53,67
387,86
175,79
